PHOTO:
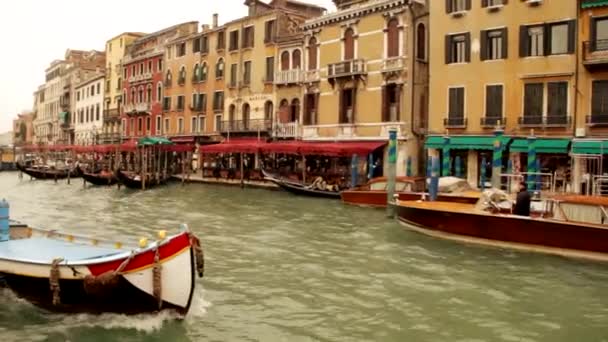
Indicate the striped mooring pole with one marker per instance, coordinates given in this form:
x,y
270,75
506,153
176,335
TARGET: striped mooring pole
x,y
434,185
408,166
445,157
497,158
483,173
531,162
391,172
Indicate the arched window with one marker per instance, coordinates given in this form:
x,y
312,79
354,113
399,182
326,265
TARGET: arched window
x,y
421,42
283,111
182,75
231,111
119,83
204,72
295,59
196,77
133,95
149,93
285,60
159,92
392,38
294,114
168,78
268,110
140,93
219,68
246,115
349,44
312,54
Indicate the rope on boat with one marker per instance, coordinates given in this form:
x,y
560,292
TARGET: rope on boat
x,y
195,242
157,278
97,284
54,277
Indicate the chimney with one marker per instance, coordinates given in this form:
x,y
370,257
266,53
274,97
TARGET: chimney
x,y
214,20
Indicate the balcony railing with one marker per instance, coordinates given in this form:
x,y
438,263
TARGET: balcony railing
x,y
595,52
141,77
286,130
355,131
253,125
597,120
544,121
346,68
111,114
311,76
493,121
455,122
108,138
393,64
294,76
143,107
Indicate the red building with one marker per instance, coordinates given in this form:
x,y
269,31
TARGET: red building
x,y
141,113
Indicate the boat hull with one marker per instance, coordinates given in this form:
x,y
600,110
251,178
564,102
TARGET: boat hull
x,y
378,198
131,183
299,189
48,174
97,179
534,234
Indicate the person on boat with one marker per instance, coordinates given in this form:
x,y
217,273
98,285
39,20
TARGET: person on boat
x,y
319,183
522,204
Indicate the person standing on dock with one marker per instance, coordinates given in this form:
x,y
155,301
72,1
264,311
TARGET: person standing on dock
x,y
522,204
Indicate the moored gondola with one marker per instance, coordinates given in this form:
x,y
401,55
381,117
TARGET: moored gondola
x,y
301,189
133,180
44,172
100,178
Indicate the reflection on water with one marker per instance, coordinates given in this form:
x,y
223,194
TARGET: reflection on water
x,y
285,268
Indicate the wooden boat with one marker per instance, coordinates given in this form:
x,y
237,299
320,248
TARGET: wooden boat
x,y
299,188
99,178
133,180
374,193
65,273
567,226
45,172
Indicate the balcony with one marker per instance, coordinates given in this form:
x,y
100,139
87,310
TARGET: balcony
x,y
286,130
244,126
311,76
455,122
110,115
137,108
140,78
595,54
108,138
597,120
181,81
393,65
491,122
355,131
352,69
285,77
544,121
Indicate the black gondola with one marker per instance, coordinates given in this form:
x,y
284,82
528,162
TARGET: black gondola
x,y
132,180
300,189
49,173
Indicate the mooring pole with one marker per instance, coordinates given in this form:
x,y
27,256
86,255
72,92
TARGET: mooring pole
x,y
391,172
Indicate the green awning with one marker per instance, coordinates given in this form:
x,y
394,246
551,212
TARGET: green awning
x,y
154,141
590,146
467,142
542,145
593,3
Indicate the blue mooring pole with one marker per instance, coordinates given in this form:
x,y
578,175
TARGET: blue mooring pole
x,y
354,171
483,173
370,166
391,172
4,221
434,186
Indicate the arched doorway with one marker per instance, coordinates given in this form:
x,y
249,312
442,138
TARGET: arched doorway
x,y
284,111
246,116
268,107
294,113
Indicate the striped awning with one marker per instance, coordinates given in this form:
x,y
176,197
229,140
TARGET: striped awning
x,y
464,142
541,145
593,3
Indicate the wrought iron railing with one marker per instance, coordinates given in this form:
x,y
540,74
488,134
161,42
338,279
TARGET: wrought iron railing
x,y
253,125
455,122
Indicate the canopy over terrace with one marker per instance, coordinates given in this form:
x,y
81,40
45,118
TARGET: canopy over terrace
x,y
334,149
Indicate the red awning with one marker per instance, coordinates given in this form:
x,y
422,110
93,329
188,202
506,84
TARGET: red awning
x,y
235,146
189,139
336,149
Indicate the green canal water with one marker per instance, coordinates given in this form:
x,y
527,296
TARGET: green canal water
x,y
286,268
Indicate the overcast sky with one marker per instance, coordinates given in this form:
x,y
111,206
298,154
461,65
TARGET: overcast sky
x,y
36,32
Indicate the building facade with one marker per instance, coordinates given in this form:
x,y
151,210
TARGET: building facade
x,y
502,68
88,111
143,67
365,73
23,129
46,125
115,51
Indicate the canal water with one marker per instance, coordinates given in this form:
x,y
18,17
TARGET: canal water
x,y
287,268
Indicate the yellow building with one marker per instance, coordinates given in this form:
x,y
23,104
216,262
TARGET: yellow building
x,y
501,67
115,51
365,73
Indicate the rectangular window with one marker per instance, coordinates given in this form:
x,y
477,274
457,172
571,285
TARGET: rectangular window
x,y
160,65
456,105
559,38
269,31
488,3
218,101
599,101
494,99
557,102
180,49
599,34
494,44
150,66
194,125
536,45
180,102
158,125
548,39
180,125
458,48
97,111
132,126
247,73
248,33
452,6
533,103
202,102
196,45
140,125
221,40
123,127
148,124
269,69
233,75
218,123
234,40
202,124
167,103
204,44
167,128
98,89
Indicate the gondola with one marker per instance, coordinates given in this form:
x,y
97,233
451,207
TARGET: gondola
x,y
133,180
71,274
99,178
49,173
300,189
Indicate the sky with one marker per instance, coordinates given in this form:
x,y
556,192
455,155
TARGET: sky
x,y
34,33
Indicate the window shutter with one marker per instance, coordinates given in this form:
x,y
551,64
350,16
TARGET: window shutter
x,y
468,7
489,106
315,106
552,98
505,43
448,50
484,3
483,49
527,97
398,92
571,35
523,41
499,94
385,111
448,6
306,119
593,34
341,105
547,39
452,104
467,46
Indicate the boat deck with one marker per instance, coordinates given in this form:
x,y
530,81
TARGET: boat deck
x,y
439,205
44,250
